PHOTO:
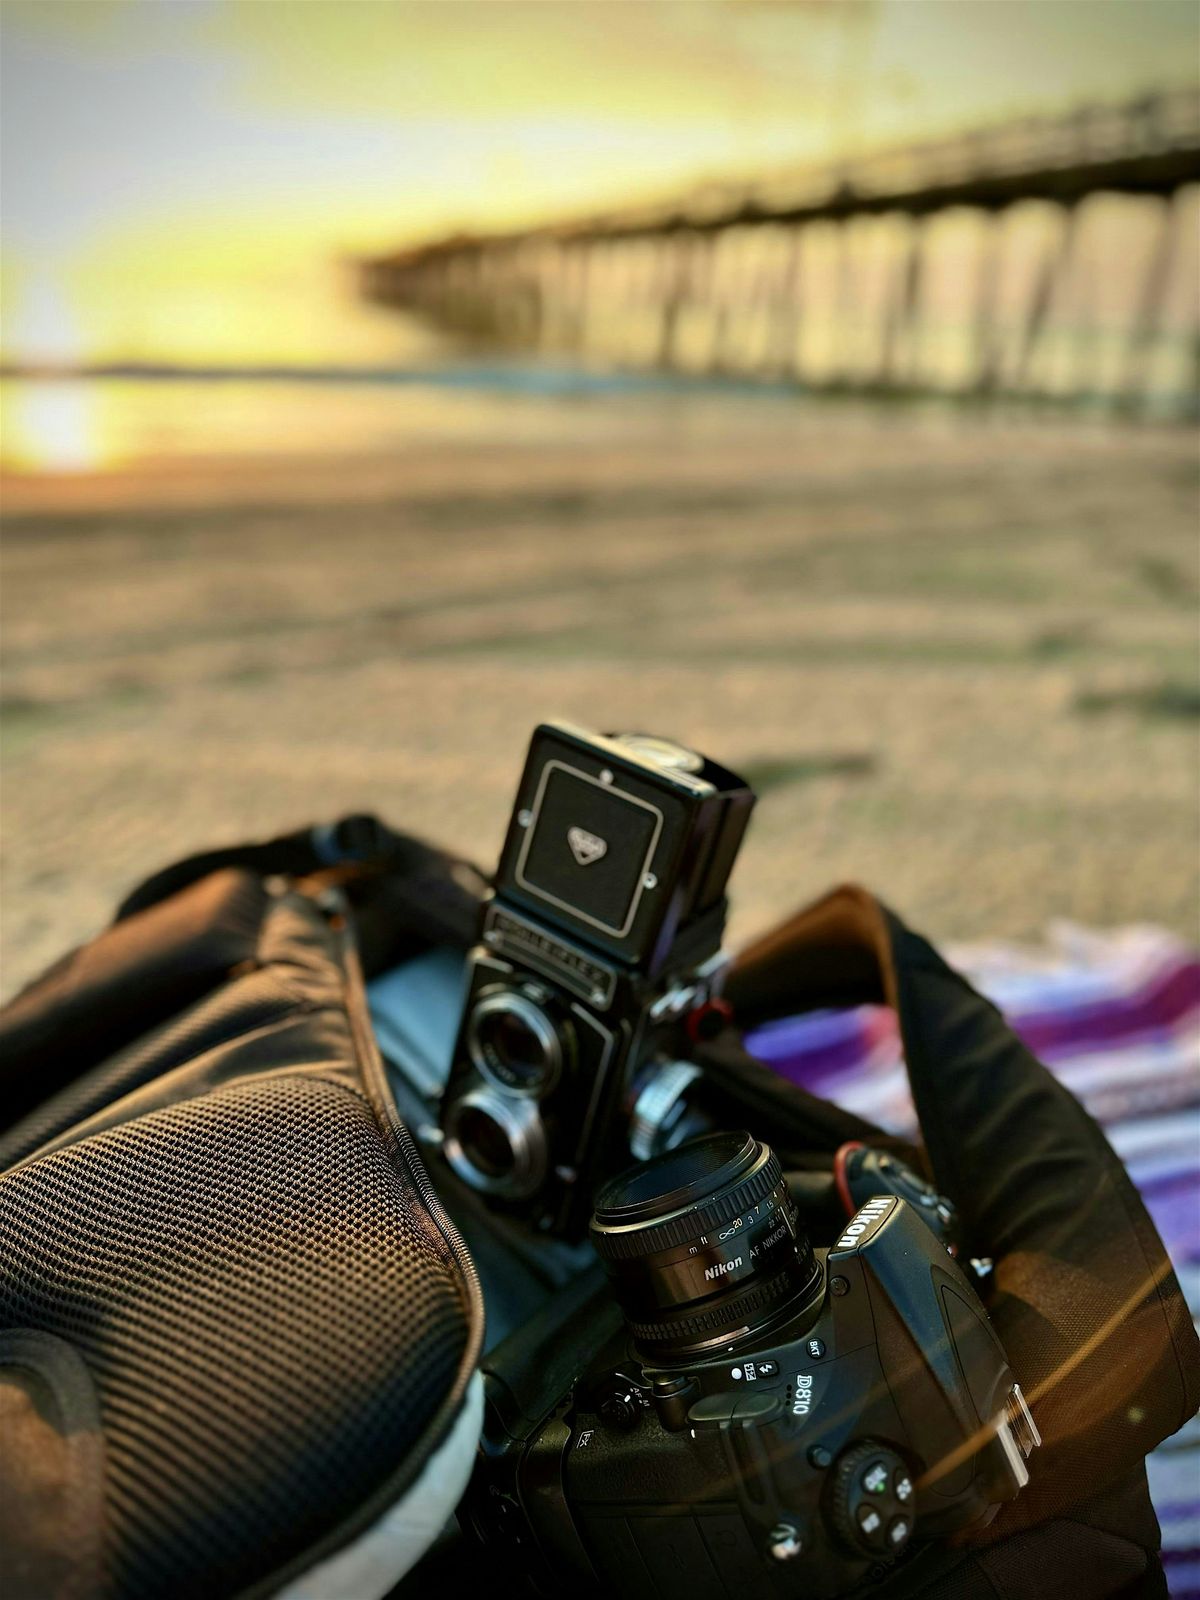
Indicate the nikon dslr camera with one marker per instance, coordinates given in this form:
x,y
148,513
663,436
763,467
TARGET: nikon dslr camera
x,y
759,1417
600,953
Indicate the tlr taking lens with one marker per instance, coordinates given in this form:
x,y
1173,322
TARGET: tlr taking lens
x,y
704,1247
496,1143
487,1142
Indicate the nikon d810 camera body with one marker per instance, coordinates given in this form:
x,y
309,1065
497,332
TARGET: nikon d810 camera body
x,y
599,947
758,1417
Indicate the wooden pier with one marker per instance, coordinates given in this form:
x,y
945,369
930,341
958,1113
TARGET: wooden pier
x,y
1047,258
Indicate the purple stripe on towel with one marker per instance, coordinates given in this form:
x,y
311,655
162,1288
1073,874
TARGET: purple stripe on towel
x,y
1160,1005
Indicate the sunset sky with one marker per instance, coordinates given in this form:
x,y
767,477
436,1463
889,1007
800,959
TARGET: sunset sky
x,y
179,180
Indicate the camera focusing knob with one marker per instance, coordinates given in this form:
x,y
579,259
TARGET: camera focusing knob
x,y
659,1117
618,1405
872,1500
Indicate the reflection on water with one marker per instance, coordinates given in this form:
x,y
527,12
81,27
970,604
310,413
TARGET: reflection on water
x,y
49,427
59,426
69,425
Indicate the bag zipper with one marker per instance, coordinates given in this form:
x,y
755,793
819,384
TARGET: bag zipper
x,y
335,908
333,902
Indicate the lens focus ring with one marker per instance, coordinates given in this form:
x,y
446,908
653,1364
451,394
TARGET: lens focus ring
x,y
731,1313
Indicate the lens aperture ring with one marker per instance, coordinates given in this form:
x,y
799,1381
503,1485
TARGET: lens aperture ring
x,y
619,1243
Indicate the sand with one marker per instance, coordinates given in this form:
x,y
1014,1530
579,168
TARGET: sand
x,y
956,652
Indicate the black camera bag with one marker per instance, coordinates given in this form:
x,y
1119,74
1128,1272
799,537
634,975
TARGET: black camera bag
x,y
239,1337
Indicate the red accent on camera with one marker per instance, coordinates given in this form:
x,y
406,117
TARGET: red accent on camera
x,y
840,1157
708,1020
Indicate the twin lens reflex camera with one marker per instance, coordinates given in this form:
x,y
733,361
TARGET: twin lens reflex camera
x,y
599,958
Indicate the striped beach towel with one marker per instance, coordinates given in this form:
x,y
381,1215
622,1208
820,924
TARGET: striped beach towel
x,y
1116,1015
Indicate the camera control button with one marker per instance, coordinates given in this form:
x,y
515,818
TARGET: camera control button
x,y
760,1407
785,1543
815,1348
619,1408
898,1531
672,1394
870,1524
862,1502
902,1487
768,1369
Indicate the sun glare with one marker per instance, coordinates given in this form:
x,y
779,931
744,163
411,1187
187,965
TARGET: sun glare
x,y
50,427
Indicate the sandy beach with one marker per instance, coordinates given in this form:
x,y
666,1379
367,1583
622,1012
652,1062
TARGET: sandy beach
x,y
957,653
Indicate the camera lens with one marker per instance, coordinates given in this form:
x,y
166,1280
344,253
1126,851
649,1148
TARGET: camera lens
x,y
514,1043
704,1247
487,1142
496,1144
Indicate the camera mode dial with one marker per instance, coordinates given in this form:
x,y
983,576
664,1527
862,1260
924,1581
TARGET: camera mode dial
x,y
871,1500
618,1404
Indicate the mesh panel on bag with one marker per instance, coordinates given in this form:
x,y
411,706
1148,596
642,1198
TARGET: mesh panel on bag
x,y
270,1316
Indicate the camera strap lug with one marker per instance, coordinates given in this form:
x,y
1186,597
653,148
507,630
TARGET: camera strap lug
x,y
1018,1437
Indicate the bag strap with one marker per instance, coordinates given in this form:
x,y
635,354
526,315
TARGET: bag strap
x,y
1085,1300
406,894
189,928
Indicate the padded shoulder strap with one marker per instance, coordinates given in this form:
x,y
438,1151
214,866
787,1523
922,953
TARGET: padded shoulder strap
x,y
197,923
1086,1301
130,978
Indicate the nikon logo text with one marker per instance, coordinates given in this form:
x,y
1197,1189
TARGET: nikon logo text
x,y
865,1219
586,847
722,1268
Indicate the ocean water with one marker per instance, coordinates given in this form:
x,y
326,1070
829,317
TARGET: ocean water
x,y
61,426
65,425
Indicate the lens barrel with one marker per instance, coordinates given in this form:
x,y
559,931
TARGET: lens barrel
x,y
704,1247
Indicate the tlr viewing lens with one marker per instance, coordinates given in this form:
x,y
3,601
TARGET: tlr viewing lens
x,y
517,1047
514,1043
